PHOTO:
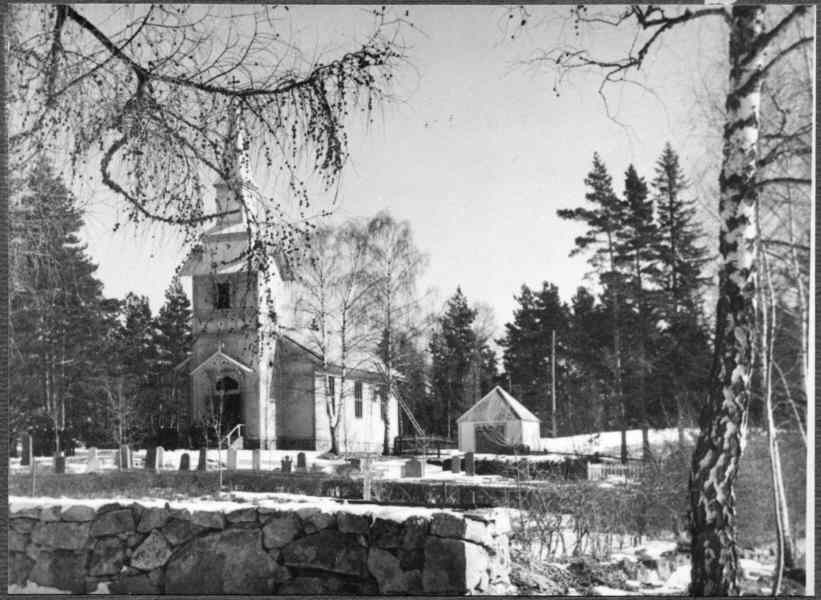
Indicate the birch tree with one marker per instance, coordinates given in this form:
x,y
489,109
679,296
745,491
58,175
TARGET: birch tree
x,y
757,44
141,98
334,297
315,304
395,265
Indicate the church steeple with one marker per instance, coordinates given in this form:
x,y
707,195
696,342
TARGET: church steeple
x,y
234,195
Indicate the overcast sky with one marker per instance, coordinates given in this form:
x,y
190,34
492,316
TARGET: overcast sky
x,y
478,153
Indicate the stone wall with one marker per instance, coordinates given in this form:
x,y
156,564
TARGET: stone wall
x,y
256,548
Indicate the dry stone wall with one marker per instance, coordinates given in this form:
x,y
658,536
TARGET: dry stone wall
x,y
236,548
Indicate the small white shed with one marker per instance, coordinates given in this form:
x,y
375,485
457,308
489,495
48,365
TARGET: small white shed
x,y
496,424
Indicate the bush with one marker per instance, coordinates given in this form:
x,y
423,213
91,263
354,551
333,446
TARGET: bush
x,y
171,484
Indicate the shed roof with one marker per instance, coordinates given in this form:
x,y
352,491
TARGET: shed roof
x,y
498,405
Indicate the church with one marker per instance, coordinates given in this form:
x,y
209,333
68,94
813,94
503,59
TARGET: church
x,y
267,390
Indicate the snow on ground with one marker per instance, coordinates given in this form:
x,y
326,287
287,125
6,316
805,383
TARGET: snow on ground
x,y
609,442
237,500
33,588
677,583
383,468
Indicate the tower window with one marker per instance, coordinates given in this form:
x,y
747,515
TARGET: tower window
x,y
357,390
330,386
223,295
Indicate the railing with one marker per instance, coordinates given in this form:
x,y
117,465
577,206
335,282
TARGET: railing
x,y
431,444
600,471
238,430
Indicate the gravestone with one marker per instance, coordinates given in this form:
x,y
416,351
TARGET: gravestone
x,y
150,458
160,458
60,463
232,459
286,464
124,457
470,464
301,462
185,462
456,463
28,450
92,461
414,468
256,460
202,460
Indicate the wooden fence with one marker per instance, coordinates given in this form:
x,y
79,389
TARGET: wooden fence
x,y
600,471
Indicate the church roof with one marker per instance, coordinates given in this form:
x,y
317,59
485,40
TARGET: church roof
x,y
220,360
361,365
497,405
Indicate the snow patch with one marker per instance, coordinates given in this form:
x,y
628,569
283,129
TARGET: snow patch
x,y
33,588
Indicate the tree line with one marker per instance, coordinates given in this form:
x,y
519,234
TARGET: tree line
x,y
84,366
633,352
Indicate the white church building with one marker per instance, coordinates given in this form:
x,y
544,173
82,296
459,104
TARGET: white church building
x,y
247,357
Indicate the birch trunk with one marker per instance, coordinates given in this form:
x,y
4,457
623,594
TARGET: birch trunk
x,y
795,265
785,555
723,420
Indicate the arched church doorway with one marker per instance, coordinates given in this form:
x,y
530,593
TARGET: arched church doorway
x,y
228,401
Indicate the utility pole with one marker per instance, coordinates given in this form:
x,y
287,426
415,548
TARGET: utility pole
x,y
553,380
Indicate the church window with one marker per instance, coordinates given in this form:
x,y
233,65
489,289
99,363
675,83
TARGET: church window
x,y
357,399
330,386
223,295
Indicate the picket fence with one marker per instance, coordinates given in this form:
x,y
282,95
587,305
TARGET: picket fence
x,y
601,471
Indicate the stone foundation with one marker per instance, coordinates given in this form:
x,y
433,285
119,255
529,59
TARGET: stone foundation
x,y
256,548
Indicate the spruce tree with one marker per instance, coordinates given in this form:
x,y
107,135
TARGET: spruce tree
x,y
139,354
635,254
680,257
588,377
604,221
527,347
453,350
680,260
57,309
174,342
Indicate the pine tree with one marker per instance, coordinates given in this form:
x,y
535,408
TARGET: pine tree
x,y
57,309
604,221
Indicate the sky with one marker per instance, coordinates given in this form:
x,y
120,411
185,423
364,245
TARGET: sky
x,y
477,152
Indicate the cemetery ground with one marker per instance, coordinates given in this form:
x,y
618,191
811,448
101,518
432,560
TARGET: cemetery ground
x,y
569,535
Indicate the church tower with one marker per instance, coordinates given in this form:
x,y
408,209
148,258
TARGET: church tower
x,y
231,363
